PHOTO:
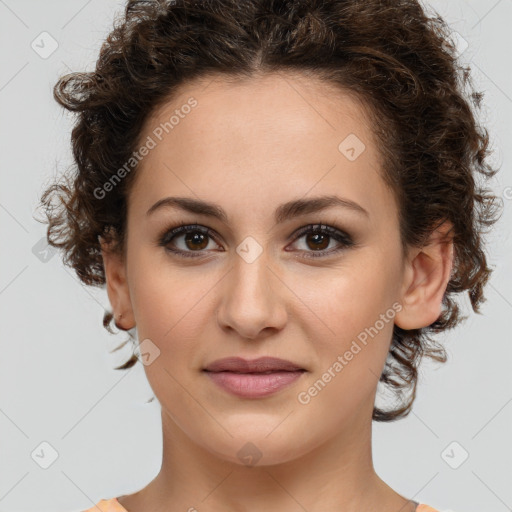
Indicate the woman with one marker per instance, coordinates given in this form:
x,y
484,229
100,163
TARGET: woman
x,y
282,199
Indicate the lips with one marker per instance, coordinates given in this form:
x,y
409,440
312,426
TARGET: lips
x,y
260,365
257,378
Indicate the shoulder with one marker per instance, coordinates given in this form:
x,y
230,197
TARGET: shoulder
x,y
425,508
110,505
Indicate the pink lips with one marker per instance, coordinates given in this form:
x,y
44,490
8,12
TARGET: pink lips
x,y
253,378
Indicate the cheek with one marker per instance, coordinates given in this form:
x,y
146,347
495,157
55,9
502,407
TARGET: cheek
x,y
173,309
354,321
350,359
171,316
163,297
344,301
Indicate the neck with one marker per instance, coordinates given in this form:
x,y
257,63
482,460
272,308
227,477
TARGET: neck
x,y
337,475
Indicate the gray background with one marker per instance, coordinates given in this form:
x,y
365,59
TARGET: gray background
x,y
57,382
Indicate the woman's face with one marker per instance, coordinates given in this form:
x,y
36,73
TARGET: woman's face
x,y
261,151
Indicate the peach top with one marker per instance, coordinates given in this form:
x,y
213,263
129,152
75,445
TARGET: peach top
x,y
112,505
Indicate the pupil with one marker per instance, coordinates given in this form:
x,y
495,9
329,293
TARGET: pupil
x,y
193,237
316,240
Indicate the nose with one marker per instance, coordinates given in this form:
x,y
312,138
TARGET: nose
x,y
253,299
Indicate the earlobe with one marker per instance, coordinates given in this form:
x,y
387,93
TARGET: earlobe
x,y
426,277
117,286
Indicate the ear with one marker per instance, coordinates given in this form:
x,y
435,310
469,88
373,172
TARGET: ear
x,y
426,276
117,286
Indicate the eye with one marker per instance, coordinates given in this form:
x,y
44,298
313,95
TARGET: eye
x,y
319,236
196,238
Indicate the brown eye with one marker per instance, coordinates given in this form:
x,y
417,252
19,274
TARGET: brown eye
x,y
318,241
185,240
192,240
195,241
318,237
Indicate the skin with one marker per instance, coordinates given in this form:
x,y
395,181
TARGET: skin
x,y
250,146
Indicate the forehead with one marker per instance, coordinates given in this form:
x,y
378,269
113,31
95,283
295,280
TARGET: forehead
x,y
271,134
269,103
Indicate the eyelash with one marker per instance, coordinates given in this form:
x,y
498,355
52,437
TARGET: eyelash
x,y
338,235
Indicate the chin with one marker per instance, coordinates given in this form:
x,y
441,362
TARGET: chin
x,y
258,443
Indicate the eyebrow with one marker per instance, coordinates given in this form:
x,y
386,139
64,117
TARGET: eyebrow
x,y
283,213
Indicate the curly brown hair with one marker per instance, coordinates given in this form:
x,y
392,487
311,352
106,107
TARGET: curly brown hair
x,y
393,56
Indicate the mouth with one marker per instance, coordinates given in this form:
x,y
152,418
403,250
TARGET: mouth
x,y
260,365
255,378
